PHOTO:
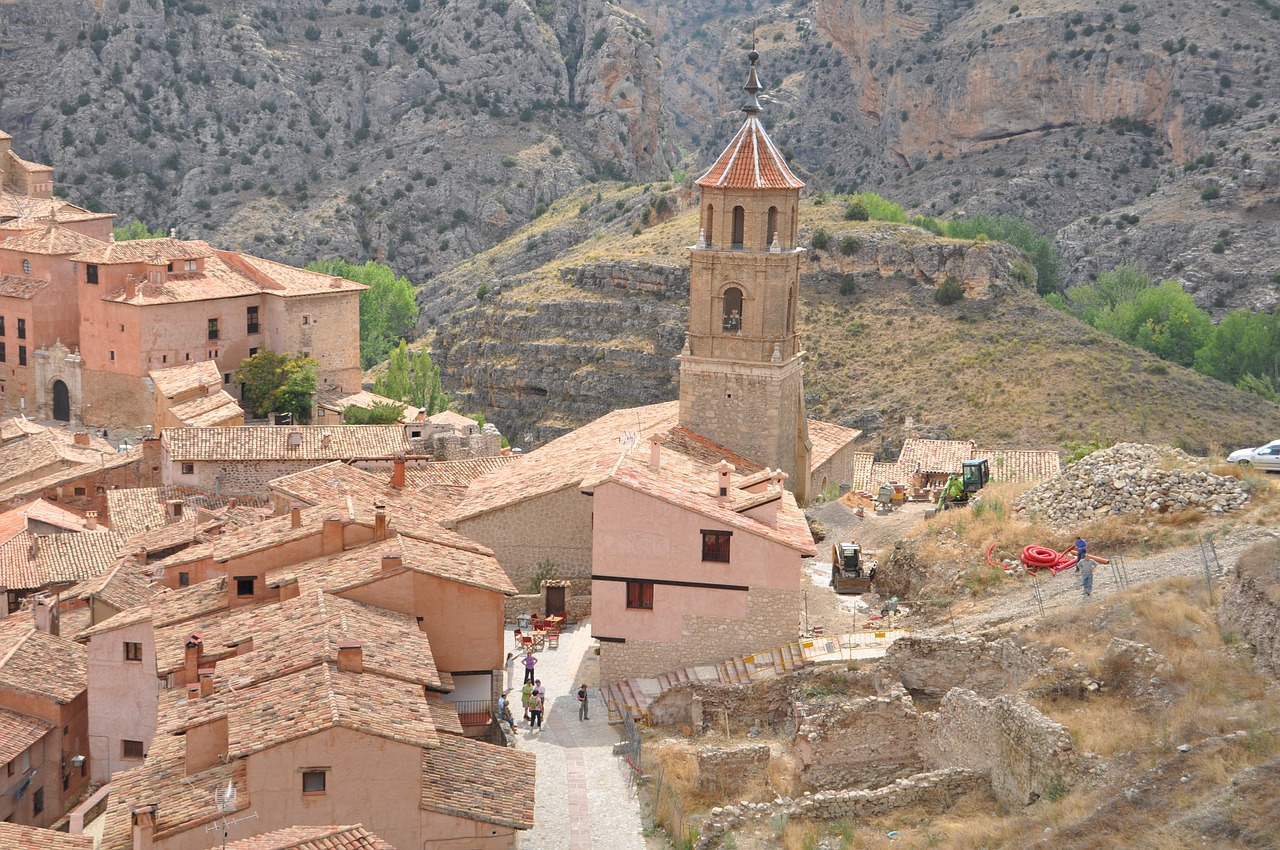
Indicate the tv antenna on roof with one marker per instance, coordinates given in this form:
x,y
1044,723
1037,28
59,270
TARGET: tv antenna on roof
x,y
224,800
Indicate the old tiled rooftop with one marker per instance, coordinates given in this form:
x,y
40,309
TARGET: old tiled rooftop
x,y
472,779
133,510
827,439
50,240
337,400
17,837
61,473
155,251
18,732
454,473
169,607
210,411
57,558
280,279
945,457
751,161
17,286
583,453
120,587
317,443
313,838
176,380
41,664
459,423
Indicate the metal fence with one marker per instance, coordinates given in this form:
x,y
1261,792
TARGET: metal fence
x,y
660,802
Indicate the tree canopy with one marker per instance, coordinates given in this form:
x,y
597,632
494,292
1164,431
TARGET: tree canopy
x,y
379,414
1019,233
411,377
279,383
136,230
388,310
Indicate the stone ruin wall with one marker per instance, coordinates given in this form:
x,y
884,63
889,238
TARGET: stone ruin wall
x,y
858,742
932,666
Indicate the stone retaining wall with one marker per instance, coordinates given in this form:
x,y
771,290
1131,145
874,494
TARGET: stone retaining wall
x,y
931,666
842,742
937,790
732,768
1251,605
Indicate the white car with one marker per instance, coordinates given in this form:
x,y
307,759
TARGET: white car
x,y
1264,457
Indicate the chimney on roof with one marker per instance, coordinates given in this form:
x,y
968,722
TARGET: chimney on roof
x,y
724,469
35,546
191,659
295,439
173,509
778,479
206,681
655,452
81,438
379,522
91,520
143,820
331,535
392,560
233,503
193,691
295,515
130,286
351,656
397,472
46,616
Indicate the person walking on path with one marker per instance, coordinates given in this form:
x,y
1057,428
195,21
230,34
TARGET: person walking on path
x,y
511,670
529,662
535,712
1082,547
582,702
526,698
1086,575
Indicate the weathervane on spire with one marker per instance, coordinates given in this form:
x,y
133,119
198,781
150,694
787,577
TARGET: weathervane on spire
x,y
753,87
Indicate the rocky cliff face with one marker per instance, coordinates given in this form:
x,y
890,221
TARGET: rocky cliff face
x,y
413,132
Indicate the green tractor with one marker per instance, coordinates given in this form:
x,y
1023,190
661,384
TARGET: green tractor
x,y
974,475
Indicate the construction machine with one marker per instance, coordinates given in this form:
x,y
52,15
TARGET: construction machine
x,y
849,573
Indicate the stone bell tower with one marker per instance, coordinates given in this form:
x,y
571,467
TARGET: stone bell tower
x,y
741,370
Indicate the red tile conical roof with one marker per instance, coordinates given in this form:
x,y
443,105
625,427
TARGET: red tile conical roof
x,y
750,162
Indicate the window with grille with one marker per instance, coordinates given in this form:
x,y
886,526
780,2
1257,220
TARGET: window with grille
x,y
640,594
715,545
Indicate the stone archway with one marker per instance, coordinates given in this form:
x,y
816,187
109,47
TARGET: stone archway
x,y
61,401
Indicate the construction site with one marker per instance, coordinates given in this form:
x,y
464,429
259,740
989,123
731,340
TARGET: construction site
x,y
958,682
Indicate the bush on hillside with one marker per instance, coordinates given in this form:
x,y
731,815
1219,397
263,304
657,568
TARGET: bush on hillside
x,y
948,292
820,239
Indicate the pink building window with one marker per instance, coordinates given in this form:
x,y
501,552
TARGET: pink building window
x,y
715,546
640,594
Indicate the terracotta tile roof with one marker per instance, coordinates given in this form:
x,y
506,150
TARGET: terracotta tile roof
x,y
58,558
750,162
454,473
176,380
58,473
50,240
941,456
691,484
479,781
18,732
883,472
456,420
313,838
1016,465
15,519
153,251
120,587
333,480
31,449
339,401
134,510
16,286
34,212
827,439
211,411
305,631
358,566
271,442
30,167
16,837
585,452
287,281
860,470
693,445
169,607
41,664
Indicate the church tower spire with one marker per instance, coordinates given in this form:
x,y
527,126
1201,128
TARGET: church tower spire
x,y
741,375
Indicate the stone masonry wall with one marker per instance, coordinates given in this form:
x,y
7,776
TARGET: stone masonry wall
x,y
239,479
843,743
936,790
732,768
773,619
555,527
1024,751
931,666
1251,605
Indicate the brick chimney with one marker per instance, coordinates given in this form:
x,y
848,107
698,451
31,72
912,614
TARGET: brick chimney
x,y
379,522
295,515
233,503
351,656
143,819
192,658
91,520
397,472
724,470
130,292
331,535
81,438
392,560
655,453
206,681
35,546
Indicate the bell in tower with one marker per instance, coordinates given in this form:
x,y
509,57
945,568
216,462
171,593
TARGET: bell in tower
x,y
741,374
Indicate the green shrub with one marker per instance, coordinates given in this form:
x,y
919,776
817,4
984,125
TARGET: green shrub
x,y
820,239
856,211
481,291
848,285
850,245
948,292
1210,193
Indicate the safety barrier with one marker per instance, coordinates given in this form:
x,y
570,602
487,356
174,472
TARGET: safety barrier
x,y
851,646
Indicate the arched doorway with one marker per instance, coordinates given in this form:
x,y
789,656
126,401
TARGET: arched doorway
x,y
61,402
732,310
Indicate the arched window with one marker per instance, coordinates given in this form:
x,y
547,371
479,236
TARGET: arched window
x,y
772,229
711,226
739,224
733,308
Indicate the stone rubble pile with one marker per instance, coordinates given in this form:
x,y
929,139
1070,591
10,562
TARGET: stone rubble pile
x,y
1128,478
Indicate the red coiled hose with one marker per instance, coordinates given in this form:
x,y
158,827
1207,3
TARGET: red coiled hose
x,y
1044,558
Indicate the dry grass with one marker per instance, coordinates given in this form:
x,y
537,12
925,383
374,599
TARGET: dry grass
x,y
677,759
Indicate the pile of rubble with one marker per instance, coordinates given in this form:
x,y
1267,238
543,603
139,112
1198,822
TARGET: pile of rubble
x,y
1128,478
